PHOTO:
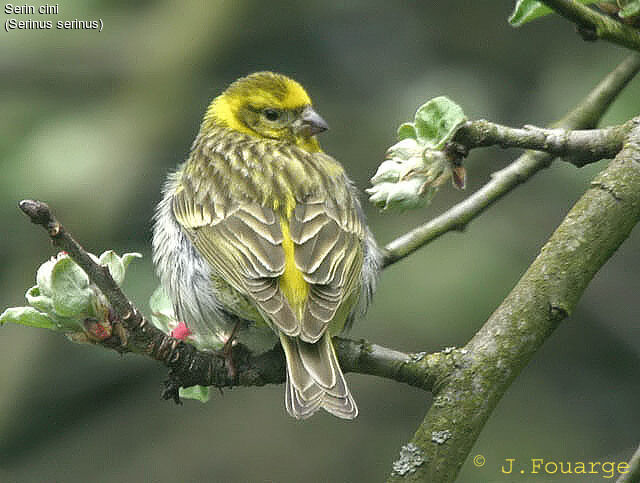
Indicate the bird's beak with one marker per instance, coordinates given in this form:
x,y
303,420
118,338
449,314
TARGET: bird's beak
x,y
311,123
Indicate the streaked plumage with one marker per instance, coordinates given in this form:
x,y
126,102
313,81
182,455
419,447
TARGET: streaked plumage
x,y
259,225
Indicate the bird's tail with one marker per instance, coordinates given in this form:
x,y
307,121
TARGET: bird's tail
x,y
315,380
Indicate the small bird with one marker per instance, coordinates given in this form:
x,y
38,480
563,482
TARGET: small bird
x,y
260,228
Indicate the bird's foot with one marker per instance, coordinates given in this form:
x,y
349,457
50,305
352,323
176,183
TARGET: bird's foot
x,y
227,352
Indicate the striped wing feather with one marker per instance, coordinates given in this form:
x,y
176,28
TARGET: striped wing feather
x,y
244,248
329,254
242,241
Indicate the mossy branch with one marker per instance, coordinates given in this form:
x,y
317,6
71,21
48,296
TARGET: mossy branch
x,y
594,25
547,293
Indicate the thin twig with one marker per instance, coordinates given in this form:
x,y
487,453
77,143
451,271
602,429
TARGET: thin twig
x,y
578,147
132,332
584,116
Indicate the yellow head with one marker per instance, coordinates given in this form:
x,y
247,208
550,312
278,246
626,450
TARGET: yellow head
x,y
267,105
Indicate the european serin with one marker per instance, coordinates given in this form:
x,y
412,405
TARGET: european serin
x,y
260,228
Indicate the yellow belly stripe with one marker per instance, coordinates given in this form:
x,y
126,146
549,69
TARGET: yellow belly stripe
x,y
292,283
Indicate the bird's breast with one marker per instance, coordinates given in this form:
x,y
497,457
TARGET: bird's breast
x,y
228,165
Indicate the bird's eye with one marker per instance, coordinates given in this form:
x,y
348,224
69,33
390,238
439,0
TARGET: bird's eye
x,y
271,114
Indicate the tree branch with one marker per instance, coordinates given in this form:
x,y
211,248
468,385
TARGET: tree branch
x,y
132,332
584,116
579,147
189,367
419,370
594,25
546,294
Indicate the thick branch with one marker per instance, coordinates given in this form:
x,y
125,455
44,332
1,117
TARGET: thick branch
x,y
633,475
594,25
418,370
547,293
188,366
579,147
585,115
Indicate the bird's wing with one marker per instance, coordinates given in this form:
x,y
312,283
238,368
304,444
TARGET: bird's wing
x,y
243,243
328,251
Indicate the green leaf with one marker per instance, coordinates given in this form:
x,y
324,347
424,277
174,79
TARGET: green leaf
x,y
631,9
388,171
404,195
407,130
111,260
162,322
117,265
438,120
43,276
201,393
27,316
528,10
159,301
162,316
70,288
127,258
39,301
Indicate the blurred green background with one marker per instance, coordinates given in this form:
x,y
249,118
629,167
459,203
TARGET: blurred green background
x,y
92,122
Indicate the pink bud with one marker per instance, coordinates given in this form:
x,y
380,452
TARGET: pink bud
x,y
96,330
181,331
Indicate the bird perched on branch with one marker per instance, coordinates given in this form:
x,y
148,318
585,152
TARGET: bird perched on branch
x,y
260,228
